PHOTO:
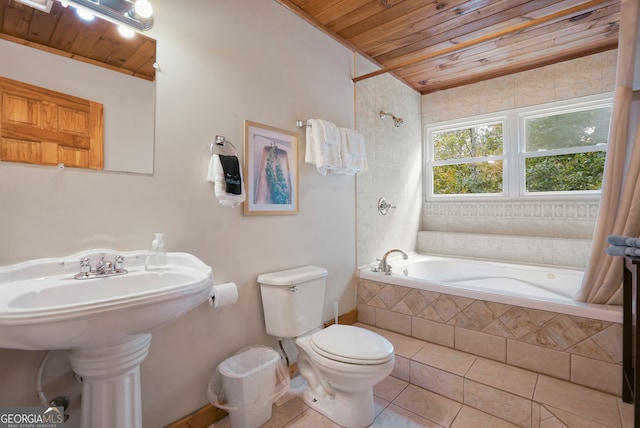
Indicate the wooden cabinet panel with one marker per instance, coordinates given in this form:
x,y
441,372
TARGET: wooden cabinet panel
x,y
47,127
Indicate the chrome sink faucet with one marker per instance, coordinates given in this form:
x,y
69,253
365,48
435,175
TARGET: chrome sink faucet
x,y
386,267
103,268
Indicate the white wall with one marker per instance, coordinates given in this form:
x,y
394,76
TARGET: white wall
x,y
221,62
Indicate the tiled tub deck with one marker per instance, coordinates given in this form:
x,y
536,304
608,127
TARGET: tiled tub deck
x,y
554,349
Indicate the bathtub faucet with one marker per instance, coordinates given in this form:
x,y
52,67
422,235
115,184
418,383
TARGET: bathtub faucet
x,y
384,266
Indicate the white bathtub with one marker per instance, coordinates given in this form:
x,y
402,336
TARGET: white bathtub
x,y
538,287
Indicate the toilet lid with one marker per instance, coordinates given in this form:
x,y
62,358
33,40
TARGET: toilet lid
x,y
352,344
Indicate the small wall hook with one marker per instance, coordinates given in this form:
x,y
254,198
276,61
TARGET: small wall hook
x,y
384,206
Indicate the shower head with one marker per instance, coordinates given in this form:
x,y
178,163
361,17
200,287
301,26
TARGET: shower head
x,y
397,121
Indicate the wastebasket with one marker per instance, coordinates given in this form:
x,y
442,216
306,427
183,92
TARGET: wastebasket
x,y
247,383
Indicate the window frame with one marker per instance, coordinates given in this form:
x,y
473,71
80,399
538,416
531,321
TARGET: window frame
x,y
514,156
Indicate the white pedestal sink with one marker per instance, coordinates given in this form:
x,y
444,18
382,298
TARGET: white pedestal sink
x,y
105,323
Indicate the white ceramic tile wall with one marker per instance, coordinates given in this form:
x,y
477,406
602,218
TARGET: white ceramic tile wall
x,y
394,156
554,219
590,75
572,253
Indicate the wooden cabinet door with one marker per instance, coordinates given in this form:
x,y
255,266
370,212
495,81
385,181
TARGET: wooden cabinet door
x,y
45,127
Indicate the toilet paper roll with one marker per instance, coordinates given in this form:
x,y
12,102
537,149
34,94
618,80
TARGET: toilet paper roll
x,y
223,294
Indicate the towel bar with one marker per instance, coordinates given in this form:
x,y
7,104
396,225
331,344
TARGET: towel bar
x,y
302,123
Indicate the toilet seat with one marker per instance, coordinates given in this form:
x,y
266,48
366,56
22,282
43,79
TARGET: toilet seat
x,y
350,344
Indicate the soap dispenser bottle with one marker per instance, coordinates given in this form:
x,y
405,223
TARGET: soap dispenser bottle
x,y
157,256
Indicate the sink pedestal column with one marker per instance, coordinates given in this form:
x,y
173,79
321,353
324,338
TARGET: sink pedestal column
x,y
111,382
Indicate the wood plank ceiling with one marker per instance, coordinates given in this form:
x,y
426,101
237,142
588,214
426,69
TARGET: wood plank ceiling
x,y
61,31
439,44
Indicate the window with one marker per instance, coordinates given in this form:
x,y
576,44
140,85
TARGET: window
x,y
565,151
469,159
550,150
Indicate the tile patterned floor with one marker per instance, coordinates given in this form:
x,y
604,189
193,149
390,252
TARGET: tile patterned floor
x,y
401,404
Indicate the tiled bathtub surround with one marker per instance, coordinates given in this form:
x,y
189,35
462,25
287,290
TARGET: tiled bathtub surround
x,y
565,252
552,219
552,233
590,75
543,219
394,156
583,351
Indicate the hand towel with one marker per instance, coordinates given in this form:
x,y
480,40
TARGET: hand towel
x,y
323,146
617,240
231,171
215,175
632,251
623,241
353,152
616,250
623,250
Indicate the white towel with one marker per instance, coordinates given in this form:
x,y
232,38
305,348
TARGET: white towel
x,y
353,152
323,146
215,175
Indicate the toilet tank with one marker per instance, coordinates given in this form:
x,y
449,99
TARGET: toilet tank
x,y
293,300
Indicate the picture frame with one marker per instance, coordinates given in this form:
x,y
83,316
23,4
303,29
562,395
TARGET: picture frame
x,y
271,170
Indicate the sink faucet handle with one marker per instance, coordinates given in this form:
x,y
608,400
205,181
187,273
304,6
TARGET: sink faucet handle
x,y
85,265
119,262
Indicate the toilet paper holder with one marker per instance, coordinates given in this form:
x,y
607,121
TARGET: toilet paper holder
x,y
223,294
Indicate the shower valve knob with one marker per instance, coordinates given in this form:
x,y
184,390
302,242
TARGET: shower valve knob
x,y
384,206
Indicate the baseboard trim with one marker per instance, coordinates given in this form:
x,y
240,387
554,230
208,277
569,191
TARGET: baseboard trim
x,y
350,317
201,418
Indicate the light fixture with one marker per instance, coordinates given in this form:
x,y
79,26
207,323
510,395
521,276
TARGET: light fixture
x,y
125,31
143,9
136,14
85,14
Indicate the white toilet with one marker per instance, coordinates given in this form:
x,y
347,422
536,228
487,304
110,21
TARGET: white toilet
x,y
341,363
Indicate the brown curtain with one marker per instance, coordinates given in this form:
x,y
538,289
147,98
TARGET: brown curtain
x,y
619,211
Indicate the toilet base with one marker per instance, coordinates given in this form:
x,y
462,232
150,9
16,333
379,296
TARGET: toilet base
x,y
349,409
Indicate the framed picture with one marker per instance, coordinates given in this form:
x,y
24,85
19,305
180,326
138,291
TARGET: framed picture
x,y
271,170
